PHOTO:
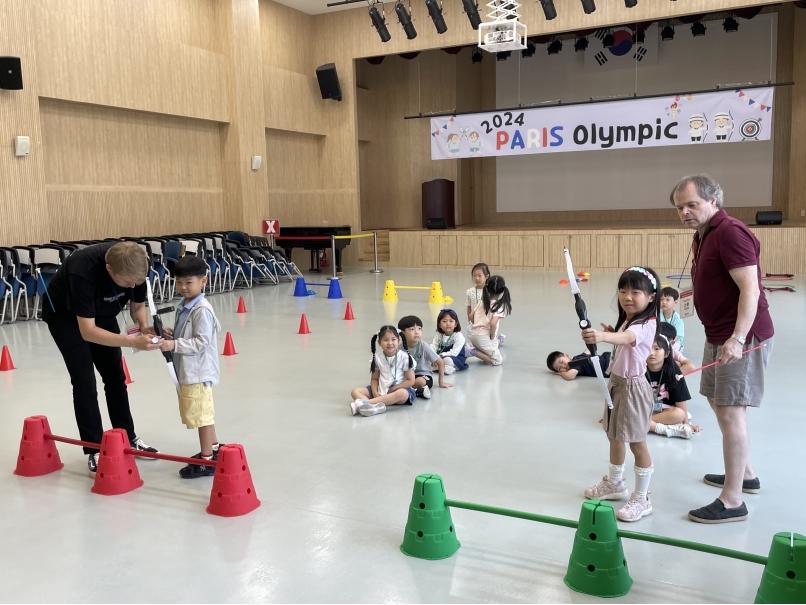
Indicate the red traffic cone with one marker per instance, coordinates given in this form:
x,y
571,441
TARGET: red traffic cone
x,y
38,456
241,305
233,492
126,371
229,346
117,471
303,325
348,315
6,365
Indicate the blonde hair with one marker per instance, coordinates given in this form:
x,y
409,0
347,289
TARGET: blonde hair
x,y
129,259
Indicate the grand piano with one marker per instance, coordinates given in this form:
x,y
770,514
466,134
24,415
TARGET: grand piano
x,y
301,237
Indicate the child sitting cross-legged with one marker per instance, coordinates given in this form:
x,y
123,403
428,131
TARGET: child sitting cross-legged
x,y
670,393
424,357
449,343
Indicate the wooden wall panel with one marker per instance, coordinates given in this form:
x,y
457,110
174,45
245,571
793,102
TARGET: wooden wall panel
x,y
292,101
286,36
797,159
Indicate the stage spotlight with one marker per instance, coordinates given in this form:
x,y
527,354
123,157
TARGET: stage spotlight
x,y
435,10
630,3
477,57
581,44
639,37
472,12
503,56
667,33
698,29
405,20
609,39
555,47
548,9
529,51
730,24
379,22
588,6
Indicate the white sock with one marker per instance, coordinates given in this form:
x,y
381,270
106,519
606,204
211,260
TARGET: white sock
x,y
660,429
642,477
615,473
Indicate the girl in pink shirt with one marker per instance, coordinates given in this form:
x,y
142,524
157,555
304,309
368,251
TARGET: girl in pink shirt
x,y
628,420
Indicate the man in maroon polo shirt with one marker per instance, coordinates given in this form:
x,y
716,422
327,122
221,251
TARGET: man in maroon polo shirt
x,y
733,309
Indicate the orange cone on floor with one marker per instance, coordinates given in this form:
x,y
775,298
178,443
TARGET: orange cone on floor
x,y
38,456
117,471
348,315
241,305
229,346
303,325
6,365
233,493
126,371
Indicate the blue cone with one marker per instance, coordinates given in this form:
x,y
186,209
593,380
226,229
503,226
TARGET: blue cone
x,y
299,288
335,289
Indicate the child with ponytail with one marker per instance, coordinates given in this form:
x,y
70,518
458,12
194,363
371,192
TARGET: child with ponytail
x,y
392,375
495,304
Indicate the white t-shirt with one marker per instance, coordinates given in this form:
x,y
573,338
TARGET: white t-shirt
x,y
448,346
474,296
482,320
392,369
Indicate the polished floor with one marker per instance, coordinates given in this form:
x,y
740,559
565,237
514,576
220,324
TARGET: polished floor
x,y
335,488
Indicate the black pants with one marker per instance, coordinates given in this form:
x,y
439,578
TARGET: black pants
x,y
81,358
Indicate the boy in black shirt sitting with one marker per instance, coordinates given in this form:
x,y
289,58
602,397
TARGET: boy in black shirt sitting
x,y
570,367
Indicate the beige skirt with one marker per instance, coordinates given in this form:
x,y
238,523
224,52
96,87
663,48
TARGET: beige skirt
x,y
629,419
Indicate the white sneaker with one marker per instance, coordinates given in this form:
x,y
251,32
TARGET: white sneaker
x,y
684,431
426,393
470,351
604,490
370,409
449,369
636,508
357,404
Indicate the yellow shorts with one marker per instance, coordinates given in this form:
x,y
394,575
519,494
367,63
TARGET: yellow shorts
x,y
196,405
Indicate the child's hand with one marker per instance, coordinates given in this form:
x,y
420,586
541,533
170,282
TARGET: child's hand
x,y
167,345
167,333
591,336
445,385
607,328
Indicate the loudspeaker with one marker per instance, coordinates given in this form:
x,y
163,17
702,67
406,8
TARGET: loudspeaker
x,y
769,217
435,223
328,81
10,73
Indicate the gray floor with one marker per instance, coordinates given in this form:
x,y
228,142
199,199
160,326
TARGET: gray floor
x,y
335,488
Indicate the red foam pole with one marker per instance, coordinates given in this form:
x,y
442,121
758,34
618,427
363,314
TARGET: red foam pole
x,y
716,362
61,439
170,458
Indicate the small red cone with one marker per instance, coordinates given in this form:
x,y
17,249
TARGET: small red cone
x,y
117,471
233,493
229,346
303,325
6,365
241,305
348,315
38,456
126,371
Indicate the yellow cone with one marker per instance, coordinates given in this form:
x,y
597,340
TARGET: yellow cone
x,y
389,291
436,293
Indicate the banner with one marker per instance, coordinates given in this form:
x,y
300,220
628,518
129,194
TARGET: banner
x,y
624,54
714,117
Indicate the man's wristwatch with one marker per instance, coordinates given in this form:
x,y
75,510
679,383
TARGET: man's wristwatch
x,y
735,336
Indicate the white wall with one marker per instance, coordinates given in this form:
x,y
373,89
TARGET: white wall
x,y
638,178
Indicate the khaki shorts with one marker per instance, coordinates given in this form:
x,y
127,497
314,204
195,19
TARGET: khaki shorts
x,y
488,346
629,419
740,382
196,405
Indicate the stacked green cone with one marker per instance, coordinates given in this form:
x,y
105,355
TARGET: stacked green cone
x,y
597,566
784,578
429,530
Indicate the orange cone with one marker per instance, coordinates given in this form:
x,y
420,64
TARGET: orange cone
x,y
233,493
6,365
126,371
241,305
229,346
348,315
303,325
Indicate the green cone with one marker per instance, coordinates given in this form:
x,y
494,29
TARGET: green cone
x,y
784,578
429,531
597,566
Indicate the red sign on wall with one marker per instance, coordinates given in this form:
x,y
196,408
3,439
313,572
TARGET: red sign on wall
x,y
271,227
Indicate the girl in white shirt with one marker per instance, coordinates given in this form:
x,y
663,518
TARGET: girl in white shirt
x,y
449,343
495,304
392,378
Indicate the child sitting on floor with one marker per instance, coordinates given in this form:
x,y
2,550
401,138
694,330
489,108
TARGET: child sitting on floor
x,y
480,273
669,331
424,357
558,362
449,343
670,416
668,301
494,305
392,375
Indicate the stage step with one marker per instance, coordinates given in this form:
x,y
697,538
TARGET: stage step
x,y
383,248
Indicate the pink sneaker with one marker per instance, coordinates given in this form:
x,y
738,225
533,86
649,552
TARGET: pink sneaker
x,y
636,507
607,491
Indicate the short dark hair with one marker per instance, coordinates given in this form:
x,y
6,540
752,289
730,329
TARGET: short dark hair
x,y
553,356
668,330
190,266
409,322
671,292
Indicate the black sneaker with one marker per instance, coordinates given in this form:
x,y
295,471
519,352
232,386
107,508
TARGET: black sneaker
x,y
749,486
92,464
717,513
140,446
194,471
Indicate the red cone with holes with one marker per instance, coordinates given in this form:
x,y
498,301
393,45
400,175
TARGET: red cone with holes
x,y
229,346
6,365
117,471
126,371
348,315
38,456
303,325
233,492
241,305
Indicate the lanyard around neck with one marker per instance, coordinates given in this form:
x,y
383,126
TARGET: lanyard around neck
x,y
392,367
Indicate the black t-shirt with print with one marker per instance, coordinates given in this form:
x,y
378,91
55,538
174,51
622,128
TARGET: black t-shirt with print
x,y
587,369
82,287
671,390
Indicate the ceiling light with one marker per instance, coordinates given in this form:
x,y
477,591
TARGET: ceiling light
x,y
548,9
639,37
435,10
730,24
477,57
529,51
609,39
405,20
581,44
503,56
588,6
555,47
472,12
698,29
667,33
379,22
630,3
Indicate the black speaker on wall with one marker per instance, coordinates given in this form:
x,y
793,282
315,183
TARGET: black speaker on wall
x,y
769,217
328,81
10,73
